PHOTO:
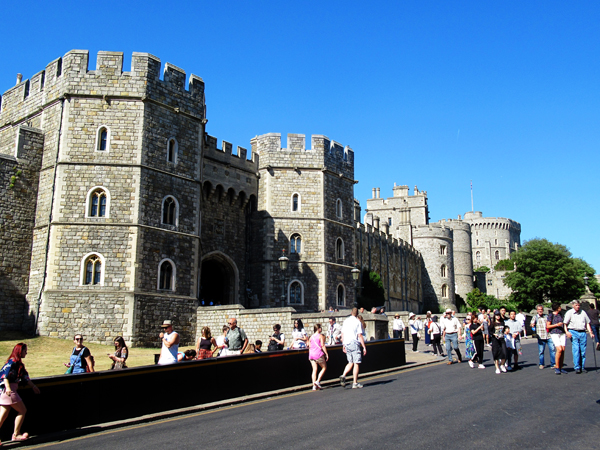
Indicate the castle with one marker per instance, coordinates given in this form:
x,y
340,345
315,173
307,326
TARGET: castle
x,y
118,210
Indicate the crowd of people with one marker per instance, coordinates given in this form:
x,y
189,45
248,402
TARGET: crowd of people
x,y
501,331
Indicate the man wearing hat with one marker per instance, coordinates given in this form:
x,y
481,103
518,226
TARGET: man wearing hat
x,y
415,325
170,344
450,331
397,326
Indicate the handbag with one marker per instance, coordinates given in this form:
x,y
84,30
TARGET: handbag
x,y
69,370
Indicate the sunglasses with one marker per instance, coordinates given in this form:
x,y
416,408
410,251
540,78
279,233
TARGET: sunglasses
x,y
79,339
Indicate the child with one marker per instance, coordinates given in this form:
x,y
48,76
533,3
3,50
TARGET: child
x,y
257,346
510,343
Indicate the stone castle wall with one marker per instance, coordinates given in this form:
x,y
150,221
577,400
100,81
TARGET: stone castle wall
x,y
19,177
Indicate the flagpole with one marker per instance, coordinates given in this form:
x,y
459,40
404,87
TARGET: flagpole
x,y
472,196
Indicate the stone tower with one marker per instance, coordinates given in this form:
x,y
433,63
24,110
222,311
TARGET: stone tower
x,y
492,238
118,207
306,208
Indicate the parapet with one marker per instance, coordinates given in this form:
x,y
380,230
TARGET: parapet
x,y
433,230
225,154
325,154
70,75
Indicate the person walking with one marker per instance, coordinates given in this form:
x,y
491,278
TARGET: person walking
x,y
557,333
170,344
119,357
435,330
352,340
538,326
476,330
450,332
496,328
515,329
318,356
415,326
426,324
577,323
594,323
469,344
11,374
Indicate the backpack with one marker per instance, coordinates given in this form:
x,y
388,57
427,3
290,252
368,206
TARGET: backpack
x,y
274,346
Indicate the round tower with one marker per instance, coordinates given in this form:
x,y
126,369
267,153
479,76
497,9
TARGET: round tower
x,y
435,242
463,260
492,238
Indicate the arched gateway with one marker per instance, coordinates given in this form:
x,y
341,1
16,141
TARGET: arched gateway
x,y
219,280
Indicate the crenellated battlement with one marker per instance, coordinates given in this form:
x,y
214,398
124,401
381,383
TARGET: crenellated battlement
x,y
226,156
433,230
376,235
70,76
323,154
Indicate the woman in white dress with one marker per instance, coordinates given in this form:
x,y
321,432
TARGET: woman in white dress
x,y
299,337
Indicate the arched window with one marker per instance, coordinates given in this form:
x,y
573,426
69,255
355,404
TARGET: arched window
x,y
98,203
341,295
170,211
497,255
478,256
166,275
92,270
443,270
103,139
444,291
338,208
295,202
295,244
296,293
172,147
339,248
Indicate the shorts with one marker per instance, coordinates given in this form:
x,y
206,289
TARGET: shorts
x,y
7,400
559,340
320,361
353,353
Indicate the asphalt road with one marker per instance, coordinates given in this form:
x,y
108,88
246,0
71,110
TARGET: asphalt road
x,y
430,407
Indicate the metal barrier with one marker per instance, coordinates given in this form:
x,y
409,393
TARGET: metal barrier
x,y
74,401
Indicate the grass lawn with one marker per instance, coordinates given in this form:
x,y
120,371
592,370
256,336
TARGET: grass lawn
x,y
45,355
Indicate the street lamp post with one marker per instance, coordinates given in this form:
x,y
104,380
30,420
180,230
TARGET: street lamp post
x,y
355,276
283,265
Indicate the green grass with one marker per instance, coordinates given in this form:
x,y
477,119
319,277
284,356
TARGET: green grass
x,y
45,355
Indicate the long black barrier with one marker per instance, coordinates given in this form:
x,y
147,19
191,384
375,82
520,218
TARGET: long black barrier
x,y
73,401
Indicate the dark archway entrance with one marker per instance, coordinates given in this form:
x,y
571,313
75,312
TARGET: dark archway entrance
x,y
218,281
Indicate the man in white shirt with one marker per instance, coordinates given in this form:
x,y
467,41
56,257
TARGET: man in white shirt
x,y
397,327
576,324
353,340
520,317
334,332
450,332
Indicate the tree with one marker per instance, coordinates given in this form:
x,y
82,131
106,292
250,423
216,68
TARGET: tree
x,y
545,272
484,269
372,293
476,298
505,264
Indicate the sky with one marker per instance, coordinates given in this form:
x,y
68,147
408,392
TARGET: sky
x,y
432,94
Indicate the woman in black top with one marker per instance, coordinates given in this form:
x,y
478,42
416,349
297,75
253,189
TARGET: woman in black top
x,y
476,329
498,344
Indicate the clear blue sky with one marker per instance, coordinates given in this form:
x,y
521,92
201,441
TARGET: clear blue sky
x,y
432,94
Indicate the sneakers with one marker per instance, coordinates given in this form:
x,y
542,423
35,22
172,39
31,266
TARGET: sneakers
x,y
343,381
481,366
317,386
502,368
498,371
557,371
357,386
509,368
564,372
471,364
541,366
